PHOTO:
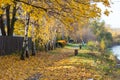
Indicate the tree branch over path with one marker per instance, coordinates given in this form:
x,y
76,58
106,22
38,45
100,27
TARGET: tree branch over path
x,y
32,5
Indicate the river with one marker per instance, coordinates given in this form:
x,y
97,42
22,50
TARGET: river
x,y
116,51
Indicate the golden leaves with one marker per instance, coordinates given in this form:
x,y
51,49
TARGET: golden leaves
x,y
106,12
102,45
3,3
26,8
106,3
56,66
12,68
44,31
68,9
19,27
1,11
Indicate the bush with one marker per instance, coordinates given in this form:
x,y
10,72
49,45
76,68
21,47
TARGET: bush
x,y
102,45
61,43
92,45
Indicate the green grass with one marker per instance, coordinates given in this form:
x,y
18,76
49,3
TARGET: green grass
x,y
73,46
85,55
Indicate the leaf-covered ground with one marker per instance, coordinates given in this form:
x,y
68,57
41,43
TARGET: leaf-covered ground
x,y
60,64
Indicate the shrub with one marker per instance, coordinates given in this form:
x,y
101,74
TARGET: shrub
x,y
102,45
92,45
61,43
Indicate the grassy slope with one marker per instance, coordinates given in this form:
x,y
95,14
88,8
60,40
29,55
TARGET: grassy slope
x,y
60,64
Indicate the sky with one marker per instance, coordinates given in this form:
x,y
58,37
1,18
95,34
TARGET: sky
x,y
114,17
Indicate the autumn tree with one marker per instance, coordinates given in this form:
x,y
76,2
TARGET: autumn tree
x,y
8,10
67,11
101,32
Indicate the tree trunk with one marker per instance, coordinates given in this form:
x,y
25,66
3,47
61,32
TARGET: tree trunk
x,y
33,48
25,49
10,22
47,46
54,41
8,19
2,27
33,42
13,19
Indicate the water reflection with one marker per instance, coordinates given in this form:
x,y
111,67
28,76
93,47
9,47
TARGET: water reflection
x,y
116,51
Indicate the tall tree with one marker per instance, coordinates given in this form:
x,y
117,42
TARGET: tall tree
x,y
25,48
9,8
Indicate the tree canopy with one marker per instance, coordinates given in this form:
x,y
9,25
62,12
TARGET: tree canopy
x,y
43,16
67,11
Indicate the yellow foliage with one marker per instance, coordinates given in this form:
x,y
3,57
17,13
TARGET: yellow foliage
x,y
106,12
63,42
19,27
44,32
102,45
1,11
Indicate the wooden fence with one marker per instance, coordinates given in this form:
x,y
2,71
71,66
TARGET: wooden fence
x,y
9,44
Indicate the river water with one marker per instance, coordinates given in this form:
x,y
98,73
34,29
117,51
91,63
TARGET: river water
x,y
116,51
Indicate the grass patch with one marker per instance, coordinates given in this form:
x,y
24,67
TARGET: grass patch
x,y
73,45
86,55
76,46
